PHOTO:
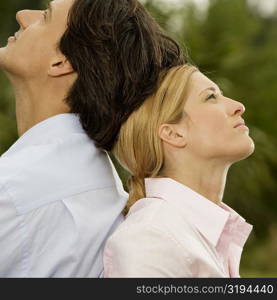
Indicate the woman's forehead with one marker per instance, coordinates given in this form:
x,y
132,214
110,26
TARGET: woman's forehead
x,y
200,81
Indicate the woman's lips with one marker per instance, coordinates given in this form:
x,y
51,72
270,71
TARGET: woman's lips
x,y
242,126
241,123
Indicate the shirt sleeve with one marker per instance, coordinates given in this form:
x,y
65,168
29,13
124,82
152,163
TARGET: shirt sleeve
x,y
144,251
10,237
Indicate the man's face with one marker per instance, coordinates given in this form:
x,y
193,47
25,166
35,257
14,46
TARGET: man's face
x,y
33,48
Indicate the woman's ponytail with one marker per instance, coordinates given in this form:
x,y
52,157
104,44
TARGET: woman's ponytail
x,y
136,189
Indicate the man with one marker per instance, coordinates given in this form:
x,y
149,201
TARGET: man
x,y
78,69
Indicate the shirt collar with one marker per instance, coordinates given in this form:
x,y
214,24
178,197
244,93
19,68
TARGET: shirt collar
x,y
209,218
46,131
54,160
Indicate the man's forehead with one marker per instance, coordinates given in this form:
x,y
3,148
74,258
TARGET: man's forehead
x,y
59,8
56,3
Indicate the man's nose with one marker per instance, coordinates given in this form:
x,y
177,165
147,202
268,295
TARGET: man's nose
x,y
27,17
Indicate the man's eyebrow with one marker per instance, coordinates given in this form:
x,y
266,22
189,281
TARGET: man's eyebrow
x,y
211,89
50,8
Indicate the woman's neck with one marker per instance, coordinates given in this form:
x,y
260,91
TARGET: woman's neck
x,y
206,178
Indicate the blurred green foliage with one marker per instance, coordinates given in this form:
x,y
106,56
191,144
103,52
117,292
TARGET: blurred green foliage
x,y
235,44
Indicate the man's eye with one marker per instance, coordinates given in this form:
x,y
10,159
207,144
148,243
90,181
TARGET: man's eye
x,y
45,14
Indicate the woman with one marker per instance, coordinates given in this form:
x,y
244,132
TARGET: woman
x,y
178,147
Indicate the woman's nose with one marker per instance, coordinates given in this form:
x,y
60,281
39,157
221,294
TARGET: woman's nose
x,y
240,109
236,108
27,17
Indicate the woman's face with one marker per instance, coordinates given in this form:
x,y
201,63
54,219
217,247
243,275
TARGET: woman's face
x,y
214,123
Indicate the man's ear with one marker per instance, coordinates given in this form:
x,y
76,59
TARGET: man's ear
x,y
60,67
173,134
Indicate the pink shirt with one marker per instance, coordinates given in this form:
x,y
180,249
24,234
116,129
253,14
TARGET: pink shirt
x,y
176,232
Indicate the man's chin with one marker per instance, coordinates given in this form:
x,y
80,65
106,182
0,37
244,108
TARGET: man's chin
x,y
2,56
3,59
3,46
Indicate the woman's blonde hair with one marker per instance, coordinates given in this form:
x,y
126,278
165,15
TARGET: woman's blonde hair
x,y
139,148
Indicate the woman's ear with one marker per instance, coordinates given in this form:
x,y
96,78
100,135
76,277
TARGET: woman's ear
x,y
173,134
60,66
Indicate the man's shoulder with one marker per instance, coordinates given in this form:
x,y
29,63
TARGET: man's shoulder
x,y
55,156
64,167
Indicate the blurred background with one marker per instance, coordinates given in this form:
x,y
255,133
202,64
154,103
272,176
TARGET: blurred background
x,y
234,42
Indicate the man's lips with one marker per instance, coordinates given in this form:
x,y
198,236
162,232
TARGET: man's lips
x,y
12,39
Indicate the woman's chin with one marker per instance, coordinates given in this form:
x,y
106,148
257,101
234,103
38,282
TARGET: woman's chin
x,y
245,150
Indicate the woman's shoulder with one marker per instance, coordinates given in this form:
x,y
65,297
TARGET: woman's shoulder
x,y
147,243
150,216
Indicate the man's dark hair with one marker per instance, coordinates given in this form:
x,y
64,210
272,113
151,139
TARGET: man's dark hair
x,y
117,50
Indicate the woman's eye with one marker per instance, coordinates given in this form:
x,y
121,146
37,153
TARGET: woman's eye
x,y
211,96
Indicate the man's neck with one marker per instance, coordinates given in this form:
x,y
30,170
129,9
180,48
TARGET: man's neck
x,y
34,105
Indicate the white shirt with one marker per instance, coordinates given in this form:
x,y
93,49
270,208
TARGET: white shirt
x,y
60,198
176,232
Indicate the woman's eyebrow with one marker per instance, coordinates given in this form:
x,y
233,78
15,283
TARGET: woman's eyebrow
x,y
211,89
